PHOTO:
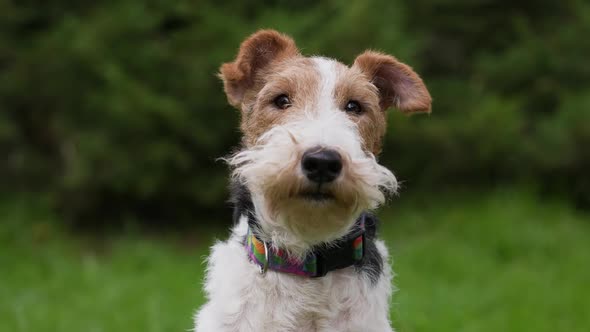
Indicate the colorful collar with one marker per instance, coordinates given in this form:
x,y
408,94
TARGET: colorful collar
x,y
344,252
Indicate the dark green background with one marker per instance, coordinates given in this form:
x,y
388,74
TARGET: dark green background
x,y
112,110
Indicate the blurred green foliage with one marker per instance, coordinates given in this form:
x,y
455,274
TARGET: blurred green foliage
x,y
112,108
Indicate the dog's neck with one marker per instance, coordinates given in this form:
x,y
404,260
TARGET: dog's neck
x,y
243,207
251,206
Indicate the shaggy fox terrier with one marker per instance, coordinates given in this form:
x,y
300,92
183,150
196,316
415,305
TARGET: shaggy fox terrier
x,y
303,255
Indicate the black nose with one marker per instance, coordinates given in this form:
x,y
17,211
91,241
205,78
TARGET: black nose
x,y
321,165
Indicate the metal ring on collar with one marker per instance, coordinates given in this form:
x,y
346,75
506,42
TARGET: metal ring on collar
x,y
264,267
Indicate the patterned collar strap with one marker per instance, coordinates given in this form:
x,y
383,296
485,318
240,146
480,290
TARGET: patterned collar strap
x,y
342,253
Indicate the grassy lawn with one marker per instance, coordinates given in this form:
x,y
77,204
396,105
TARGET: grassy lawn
x,y
497,262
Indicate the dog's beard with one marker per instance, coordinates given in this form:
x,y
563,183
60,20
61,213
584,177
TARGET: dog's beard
x,y
288,203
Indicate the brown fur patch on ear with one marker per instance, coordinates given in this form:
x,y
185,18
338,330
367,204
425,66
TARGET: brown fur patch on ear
x,y
398,84
256,52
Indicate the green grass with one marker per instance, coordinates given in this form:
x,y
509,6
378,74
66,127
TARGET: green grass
x,y
496,262
504,262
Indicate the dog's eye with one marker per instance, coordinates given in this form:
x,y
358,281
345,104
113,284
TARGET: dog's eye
x,y
353,107
282,102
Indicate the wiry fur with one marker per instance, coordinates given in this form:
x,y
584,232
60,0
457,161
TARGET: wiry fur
x,y
271,171
273,188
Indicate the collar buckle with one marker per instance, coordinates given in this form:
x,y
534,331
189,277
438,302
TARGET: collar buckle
x,y
340,256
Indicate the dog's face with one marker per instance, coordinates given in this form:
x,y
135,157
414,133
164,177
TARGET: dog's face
x,y
312,128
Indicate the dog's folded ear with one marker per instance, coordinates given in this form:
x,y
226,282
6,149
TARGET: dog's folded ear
x,y
256,52
399,86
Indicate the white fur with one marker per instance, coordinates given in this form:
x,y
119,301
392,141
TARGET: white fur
x,y
277,154
241,299
327,69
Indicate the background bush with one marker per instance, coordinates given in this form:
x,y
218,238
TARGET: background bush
x,y
112,109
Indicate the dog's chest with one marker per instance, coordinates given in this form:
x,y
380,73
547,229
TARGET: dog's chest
x,y
243,299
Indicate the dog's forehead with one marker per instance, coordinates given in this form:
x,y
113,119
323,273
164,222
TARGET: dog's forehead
x,y
322,68
327,67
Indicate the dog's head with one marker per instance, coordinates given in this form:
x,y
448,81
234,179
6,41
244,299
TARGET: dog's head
x,y
311,128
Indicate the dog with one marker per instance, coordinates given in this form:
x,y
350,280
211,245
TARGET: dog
x,y
303,254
